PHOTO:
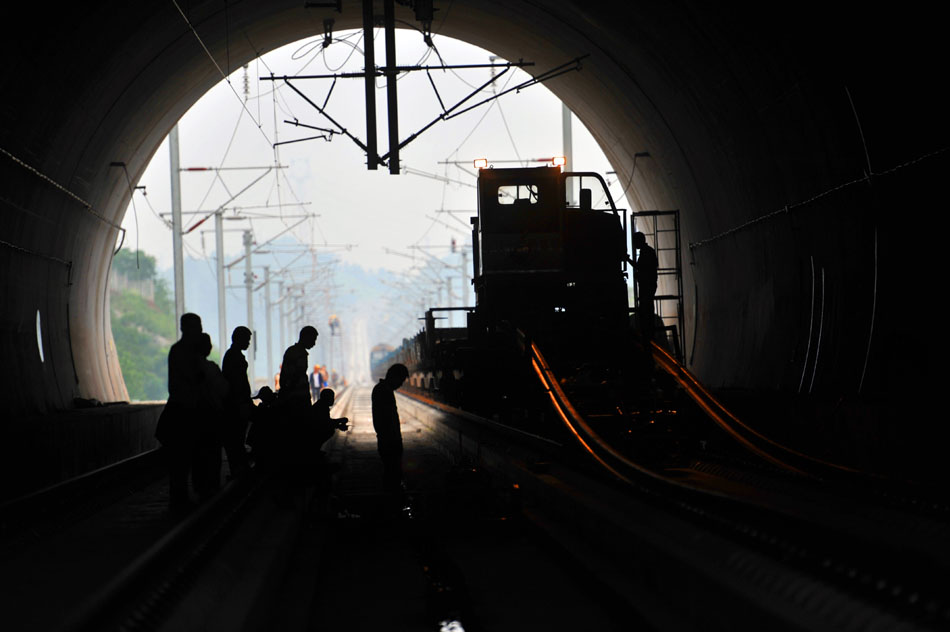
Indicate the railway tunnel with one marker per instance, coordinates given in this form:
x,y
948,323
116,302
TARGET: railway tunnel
x,y
804,145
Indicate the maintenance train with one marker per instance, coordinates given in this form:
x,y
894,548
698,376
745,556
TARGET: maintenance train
x,y
544,270
548,347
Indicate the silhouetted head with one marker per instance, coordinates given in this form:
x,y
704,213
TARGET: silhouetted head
x,y
396,375
328,396
241,337
266,395
204,345
308,336
190,324
639,240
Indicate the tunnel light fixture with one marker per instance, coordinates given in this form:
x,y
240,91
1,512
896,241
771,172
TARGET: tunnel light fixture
x,y
481,163
39,336
559,161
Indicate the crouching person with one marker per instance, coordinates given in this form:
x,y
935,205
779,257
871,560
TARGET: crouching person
x,y
320,428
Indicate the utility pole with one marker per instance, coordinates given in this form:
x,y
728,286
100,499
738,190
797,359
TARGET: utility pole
x,y
465,284
219,248
280,313
451,303
249,285
369,85
389,22
176,225
568,150
267,316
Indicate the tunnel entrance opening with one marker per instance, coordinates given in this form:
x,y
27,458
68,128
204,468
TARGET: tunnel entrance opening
x,y
327,237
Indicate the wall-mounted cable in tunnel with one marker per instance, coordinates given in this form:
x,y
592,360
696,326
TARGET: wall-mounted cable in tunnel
x,y
789,207
68,264
86,205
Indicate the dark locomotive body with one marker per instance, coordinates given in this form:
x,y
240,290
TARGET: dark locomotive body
x,y
553,272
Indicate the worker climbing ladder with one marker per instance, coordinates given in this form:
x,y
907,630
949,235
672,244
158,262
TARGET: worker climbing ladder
x,y
662,231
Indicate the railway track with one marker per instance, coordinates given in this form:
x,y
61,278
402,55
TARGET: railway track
x,y
503,528
877,549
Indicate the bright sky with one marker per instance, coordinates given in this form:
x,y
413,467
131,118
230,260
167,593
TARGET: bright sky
x,y
368,211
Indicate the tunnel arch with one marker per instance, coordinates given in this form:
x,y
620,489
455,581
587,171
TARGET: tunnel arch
x,y
743,113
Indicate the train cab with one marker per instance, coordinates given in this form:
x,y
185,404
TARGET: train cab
x,y
541,264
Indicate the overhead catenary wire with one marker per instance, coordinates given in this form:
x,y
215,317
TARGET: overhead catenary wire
x,y
218,67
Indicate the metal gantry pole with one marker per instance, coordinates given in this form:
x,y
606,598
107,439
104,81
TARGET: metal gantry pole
x,y
281,310
568,150
222,314
331,363
451,303
465,284
267,309
249,285
389,17
176,224
369,83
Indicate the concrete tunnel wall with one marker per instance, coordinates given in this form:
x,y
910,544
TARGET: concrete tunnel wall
x,y
743,111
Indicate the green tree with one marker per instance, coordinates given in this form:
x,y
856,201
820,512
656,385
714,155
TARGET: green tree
x,y
136,266
142,330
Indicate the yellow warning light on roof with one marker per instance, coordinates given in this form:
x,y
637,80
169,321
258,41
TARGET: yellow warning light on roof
x,y
481,163
559,161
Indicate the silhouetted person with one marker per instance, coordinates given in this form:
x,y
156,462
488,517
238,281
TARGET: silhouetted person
x,y
176,429
645,268
319,428
386,424
321,424
294,390
209,424
238,404
261,435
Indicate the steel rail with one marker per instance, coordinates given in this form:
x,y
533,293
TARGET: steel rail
x,y
861,566
193,539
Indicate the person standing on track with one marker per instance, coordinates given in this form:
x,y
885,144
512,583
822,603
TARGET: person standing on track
x,y
206,470
294,390
386,425
176,426
238,404
293,402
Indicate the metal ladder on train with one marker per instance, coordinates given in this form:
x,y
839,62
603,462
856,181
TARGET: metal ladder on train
x,y
662,231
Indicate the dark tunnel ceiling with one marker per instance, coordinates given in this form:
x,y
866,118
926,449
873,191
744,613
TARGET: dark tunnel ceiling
x,y
743,111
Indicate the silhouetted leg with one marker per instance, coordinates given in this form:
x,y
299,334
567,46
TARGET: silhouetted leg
x,y
647,316
392,477
180,452
179,466
234,437
206,473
